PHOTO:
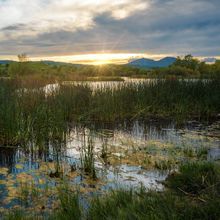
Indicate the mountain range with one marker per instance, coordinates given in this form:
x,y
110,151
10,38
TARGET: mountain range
x,y
141,63
6,61
48,62
149,63
209,60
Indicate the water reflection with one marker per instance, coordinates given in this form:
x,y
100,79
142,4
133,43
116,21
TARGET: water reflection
x,y
8,156
137,133
126,137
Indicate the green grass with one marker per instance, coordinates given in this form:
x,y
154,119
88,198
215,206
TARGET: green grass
x,y
195,177
31,119
70,207
88,159
200,200
29,115
169,204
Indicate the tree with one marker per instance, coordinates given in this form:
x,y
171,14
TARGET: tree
x,y
22,57
188,61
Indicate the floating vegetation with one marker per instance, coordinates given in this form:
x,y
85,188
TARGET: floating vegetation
x,y
4,171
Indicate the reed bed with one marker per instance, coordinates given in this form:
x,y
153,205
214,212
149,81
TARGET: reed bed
x,y
30,115
33,118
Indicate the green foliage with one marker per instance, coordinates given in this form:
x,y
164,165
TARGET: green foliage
x,y
69,205
16,215
201,179
212,71
188,62
195,177
4,70
30,115
187,67
87,158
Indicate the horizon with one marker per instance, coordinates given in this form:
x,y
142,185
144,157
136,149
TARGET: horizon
x,y
101,59
103,32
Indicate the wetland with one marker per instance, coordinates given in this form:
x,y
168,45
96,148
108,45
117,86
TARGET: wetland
x,y
134,149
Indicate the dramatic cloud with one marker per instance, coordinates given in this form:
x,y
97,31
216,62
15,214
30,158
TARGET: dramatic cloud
x,y
66,27
25,17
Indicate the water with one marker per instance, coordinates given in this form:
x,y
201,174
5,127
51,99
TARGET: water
x,y
95,85
50,88
124,139
139,154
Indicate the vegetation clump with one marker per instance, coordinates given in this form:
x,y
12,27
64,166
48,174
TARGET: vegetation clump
x,y
200,200
195,177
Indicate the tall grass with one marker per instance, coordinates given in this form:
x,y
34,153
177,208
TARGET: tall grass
x,y
124,204
30,115
169,204
194,178
70,207
31,119
88,158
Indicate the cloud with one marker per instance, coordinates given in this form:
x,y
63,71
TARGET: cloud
x,y
65,27
40,16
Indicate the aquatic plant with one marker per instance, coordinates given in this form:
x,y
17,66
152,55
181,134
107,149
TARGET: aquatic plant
x,y
70,207
176,202
194,177
104,150
87,157
30,115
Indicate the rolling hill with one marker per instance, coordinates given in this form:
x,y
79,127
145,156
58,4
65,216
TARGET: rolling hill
x,y
149,63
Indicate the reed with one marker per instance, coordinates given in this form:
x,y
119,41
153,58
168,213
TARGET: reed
x,y
30,115
186,197
88,157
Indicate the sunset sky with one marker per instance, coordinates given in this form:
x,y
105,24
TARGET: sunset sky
x,y
104,31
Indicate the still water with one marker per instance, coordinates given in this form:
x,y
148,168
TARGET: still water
x,y
17,165
139,153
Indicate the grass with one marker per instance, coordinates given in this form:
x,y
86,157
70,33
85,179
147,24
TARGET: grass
x,y
194,178
35,121
199,201
29,116
169,204
87,158
178,99
69,205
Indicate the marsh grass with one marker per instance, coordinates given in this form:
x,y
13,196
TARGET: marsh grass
x,y
200,200
192,193
196,152
69,207
28,115
195,177
104,151
88,158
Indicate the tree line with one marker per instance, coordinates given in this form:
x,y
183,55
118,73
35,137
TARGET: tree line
x,y
187,66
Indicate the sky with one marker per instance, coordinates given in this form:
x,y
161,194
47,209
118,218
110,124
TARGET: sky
x,y
105,31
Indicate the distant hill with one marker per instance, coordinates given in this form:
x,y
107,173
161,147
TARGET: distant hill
x,y
149,63
209,60
48,62
6,61
54,63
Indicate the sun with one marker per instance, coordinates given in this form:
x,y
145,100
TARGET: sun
x,y
101,62
96,58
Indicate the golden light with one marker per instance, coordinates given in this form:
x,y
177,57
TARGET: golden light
x,y
95,59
